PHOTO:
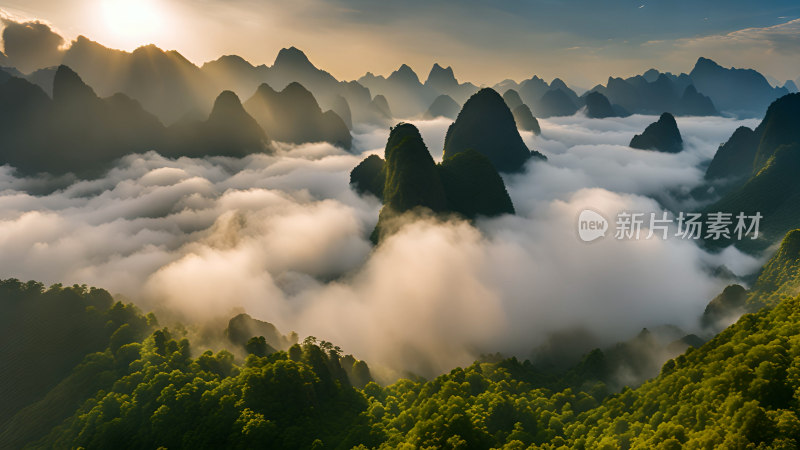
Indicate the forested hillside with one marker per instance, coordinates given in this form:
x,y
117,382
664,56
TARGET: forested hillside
x,y
148,388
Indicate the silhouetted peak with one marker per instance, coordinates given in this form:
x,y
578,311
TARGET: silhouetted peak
x,y
68,86
558,83
235,61
149,50
512,98
663,79
265,90
441,76
486,98
404,74
651,75
446,70
402,131
226,104
382,105
295,88
292,57
443,106
83,41
598,106
487,125
667,119
662,135
705,63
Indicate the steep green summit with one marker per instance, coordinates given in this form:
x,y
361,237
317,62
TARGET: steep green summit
x,y
781,126
466,183
473,186
486,125
734,158
411,176
780,276
369,176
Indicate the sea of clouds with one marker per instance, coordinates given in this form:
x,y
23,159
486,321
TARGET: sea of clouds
x,y
283,238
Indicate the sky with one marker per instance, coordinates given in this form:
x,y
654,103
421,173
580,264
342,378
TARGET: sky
x,y
581,41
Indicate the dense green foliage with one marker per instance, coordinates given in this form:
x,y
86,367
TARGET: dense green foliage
x,y
778,128
369,176
734,158
737,391
729,303
166,398
411,176
473,186
44,334
774,192
780,276
466,183
773,189
662,135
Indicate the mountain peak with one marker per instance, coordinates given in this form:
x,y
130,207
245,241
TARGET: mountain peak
x,y
558,83
149,49
68,86
706,63
405,74
651,75
226,103
486,124
662,135
441,77
292,57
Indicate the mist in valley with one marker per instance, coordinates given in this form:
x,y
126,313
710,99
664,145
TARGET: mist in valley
x,y
285,239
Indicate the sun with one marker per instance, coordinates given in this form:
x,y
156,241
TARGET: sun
x,y
132,22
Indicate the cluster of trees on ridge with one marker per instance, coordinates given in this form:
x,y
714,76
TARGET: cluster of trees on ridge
x,y
130,384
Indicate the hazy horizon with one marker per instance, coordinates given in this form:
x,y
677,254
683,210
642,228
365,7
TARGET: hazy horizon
x,y
349,38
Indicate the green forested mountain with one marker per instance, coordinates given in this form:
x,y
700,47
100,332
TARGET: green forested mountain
x,y
486,125
734,158
465,183
141,387
52,340
369,176
769,158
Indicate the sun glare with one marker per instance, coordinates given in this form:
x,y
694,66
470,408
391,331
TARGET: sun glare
x,y
132,22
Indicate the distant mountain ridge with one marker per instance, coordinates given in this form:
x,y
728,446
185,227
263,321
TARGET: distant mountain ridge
x,y
172,87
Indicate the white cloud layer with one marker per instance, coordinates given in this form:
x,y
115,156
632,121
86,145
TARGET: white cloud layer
x,y
284,238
